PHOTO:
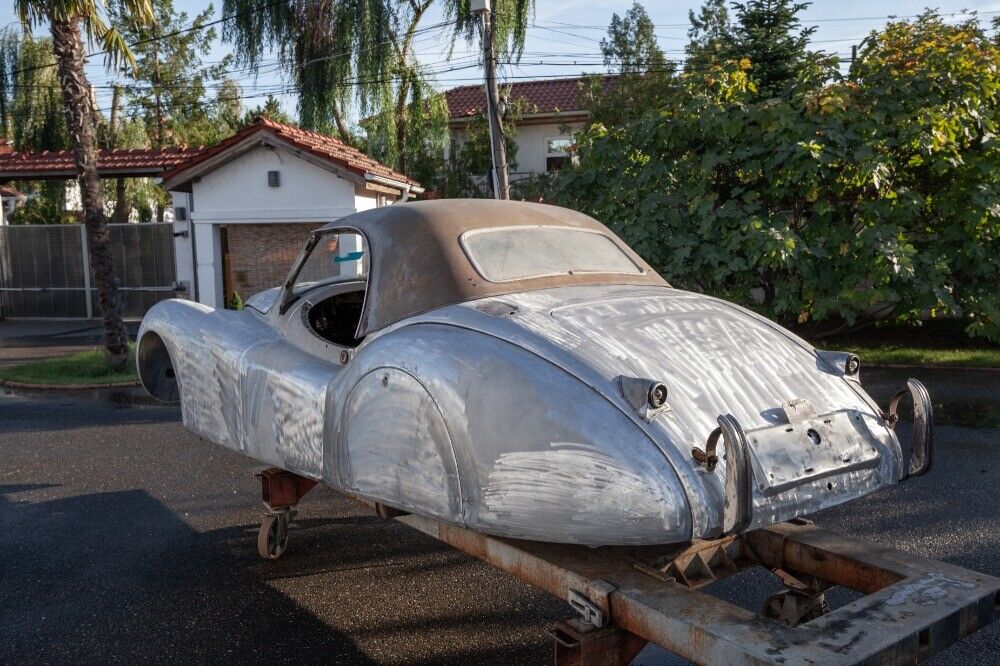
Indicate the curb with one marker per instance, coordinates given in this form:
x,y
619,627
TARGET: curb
x,y
64,387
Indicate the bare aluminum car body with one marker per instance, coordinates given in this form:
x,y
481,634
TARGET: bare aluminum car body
x,y
591,407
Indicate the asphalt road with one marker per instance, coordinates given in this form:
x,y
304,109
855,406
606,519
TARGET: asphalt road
x,y
124,538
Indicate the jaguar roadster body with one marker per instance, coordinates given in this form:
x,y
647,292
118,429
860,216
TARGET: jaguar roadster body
x,y
516,369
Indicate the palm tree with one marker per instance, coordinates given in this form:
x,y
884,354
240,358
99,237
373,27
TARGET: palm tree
x,y
65,19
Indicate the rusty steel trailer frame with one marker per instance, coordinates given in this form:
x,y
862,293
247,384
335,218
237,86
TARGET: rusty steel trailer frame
x,y
913,606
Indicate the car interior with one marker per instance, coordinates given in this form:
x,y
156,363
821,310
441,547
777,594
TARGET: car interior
x,y
336,318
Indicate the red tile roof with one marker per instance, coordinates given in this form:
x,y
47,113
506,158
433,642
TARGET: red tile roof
x,y
319,145
60,163
8,191
546,96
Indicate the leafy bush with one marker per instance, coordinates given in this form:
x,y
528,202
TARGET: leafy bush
x,y
839,199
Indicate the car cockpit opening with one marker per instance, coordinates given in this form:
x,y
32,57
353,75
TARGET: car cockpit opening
x,y
336,318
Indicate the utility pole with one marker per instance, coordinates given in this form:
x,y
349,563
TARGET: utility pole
x,y
501,185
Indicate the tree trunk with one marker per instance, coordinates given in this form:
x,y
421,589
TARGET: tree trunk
x,y
338,118
120,214
407,75
68,48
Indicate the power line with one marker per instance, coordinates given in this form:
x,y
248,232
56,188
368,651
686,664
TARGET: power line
x,y
804,21
140,42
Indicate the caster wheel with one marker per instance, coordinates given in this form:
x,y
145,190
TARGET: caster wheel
x,y
272,538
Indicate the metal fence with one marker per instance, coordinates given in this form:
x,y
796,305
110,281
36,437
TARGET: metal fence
x,y
45,270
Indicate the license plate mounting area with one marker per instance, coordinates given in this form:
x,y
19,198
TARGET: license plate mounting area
x,y
810,447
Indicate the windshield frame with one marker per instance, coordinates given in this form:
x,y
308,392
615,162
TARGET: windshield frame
x,y
288,294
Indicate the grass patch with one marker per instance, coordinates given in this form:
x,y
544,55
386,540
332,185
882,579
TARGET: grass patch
x,y
87,367
943,343
900,355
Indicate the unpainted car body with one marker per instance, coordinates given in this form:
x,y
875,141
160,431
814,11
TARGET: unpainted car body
x,y
581,406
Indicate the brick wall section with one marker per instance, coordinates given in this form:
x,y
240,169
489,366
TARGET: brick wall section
x,y
260,255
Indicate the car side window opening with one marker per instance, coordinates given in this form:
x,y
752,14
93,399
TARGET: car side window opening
x,y
335,258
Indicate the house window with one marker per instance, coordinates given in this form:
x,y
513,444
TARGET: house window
x,y
557,152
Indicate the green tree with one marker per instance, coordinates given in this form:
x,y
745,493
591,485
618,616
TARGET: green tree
x,y
228,108
32,118
339,52
170,82
271,108
643,76
466,174
631,47
710,38
66,19
31,109
933,91
168,90
768,34
829,203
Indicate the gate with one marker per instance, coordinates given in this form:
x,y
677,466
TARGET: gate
x,y
45,270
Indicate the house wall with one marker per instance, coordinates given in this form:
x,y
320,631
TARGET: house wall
x,y
238,190
183,242
265,227
260,255
531,148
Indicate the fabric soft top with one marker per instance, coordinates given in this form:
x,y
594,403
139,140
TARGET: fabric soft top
x,y
418,264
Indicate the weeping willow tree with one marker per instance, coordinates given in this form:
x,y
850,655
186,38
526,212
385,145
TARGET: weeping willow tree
x,y
31,117
344,54
31,109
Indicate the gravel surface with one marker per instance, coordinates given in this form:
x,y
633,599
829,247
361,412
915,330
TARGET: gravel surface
x,y
125,538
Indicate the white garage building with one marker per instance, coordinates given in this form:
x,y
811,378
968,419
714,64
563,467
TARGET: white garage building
x,y
244,207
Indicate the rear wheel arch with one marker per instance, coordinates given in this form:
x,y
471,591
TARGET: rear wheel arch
x,y
156,367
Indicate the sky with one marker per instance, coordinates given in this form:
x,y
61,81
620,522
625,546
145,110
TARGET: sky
x,y
564,39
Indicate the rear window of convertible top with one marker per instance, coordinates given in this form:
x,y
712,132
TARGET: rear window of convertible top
x,y
505,254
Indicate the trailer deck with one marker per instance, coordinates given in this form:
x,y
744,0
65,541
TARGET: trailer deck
x,y
913,606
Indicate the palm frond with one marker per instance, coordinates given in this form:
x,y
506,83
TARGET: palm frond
x,y
116,50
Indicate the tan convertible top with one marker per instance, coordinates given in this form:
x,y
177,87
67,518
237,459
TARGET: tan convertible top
x,y
418,264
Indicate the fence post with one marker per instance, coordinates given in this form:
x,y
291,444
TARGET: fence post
x,y
88,301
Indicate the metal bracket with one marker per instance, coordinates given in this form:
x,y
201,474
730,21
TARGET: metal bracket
x,y
922,449
738,510
803,600
281,489
580,644
647,397
588,610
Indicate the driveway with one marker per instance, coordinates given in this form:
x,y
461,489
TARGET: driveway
x,y
127,539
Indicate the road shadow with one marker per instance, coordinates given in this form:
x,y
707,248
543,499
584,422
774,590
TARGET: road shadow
x,y
92,578
960,397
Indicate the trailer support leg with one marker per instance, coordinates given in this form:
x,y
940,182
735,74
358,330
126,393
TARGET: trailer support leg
x,y
579,643
281,491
